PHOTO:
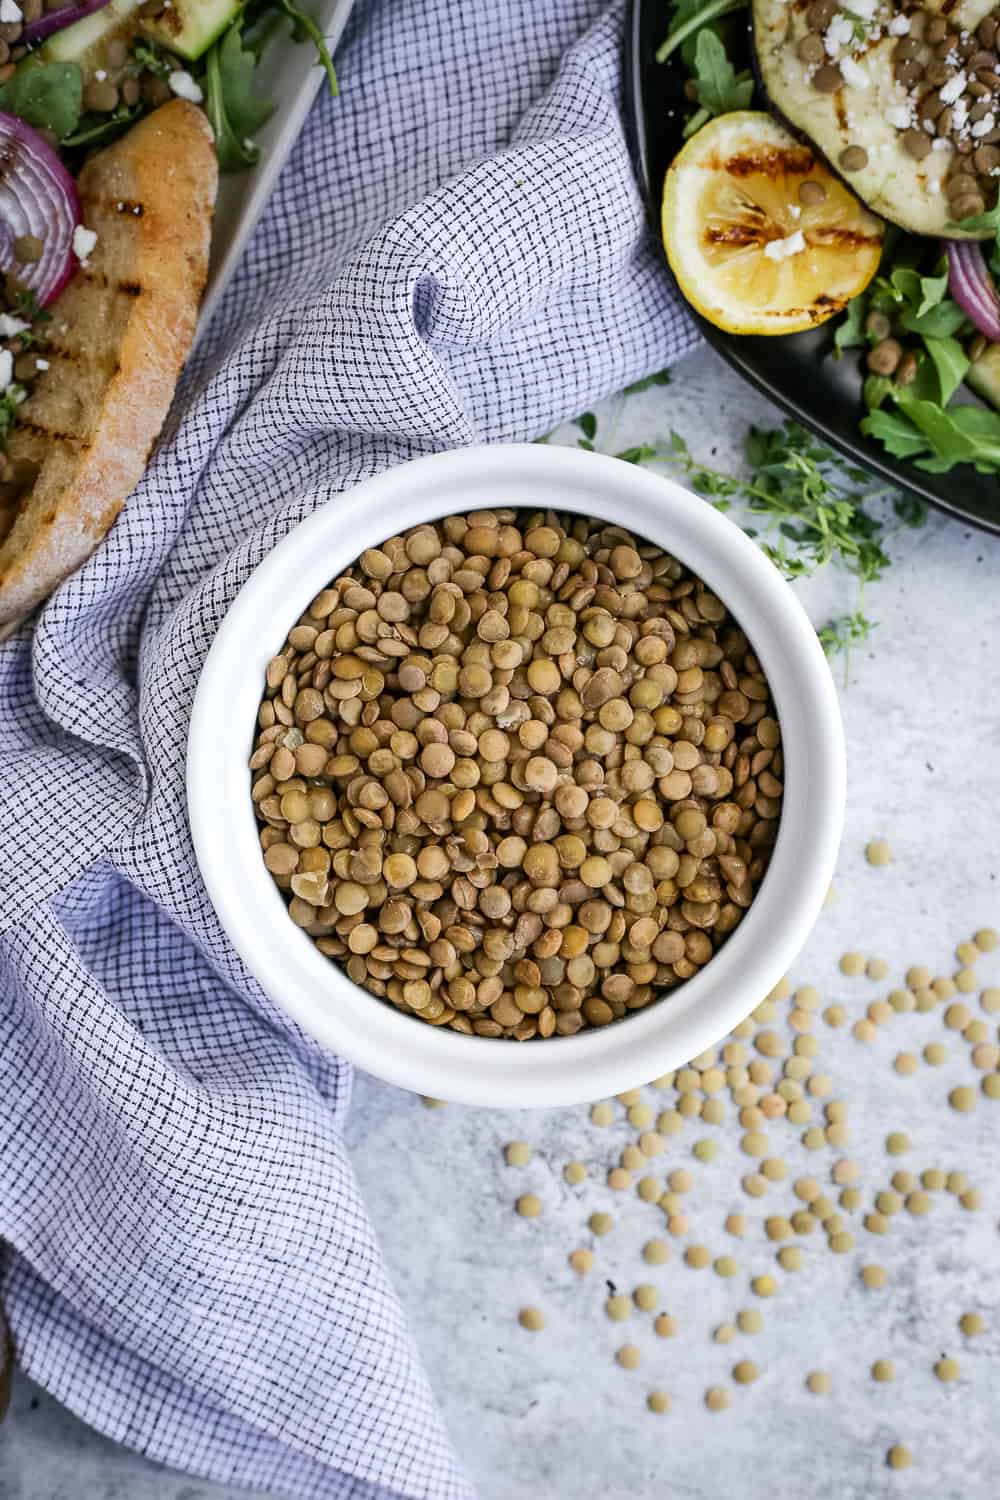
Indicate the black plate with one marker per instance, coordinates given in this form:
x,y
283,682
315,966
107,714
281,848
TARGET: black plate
x,y
796,370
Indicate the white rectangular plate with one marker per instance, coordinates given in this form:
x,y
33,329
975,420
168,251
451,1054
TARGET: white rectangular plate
x,y
290,76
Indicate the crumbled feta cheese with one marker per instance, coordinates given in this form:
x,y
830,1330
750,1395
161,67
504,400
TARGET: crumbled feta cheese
x,y
899,115
84,241
863,8
10,12
960,114
941,143
983,126
182,84
6,368
838,34
792,244
795,210
899,25
953,89
854,74
10,326
100,75
41,364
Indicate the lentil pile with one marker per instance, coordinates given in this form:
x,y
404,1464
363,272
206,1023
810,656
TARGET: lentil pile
x,y
518,773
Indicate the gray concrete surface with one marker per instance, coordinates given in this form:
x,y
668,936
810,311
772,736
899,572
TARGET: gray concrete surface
x,y
551,1414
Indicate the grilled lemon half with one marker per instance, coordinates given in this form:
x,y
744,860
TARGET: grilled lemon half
x,y
760,234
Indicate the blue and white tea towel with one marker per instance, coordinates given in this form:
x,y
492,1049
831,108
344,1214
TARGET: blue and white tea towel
x,y
454,254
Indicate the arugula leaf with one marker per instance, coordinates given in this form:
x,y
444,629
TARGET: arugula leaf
x,y
989,220
950,362
937,437
688,17
940,322
720,89
96,130
895,432
235,112
305,28
876,389
933,289
49,97
850,332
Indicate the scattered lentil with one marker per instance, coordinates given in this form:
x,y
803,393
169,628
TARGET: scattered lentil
x,y
628,1356
899,1456
582,1261
947,1369
517,1154
658,1401
878,852
531,1318
665,1327
883,1370
819,1382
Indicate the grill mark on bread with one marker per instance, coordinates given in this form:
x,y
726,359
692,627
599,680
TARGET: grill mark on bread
x,y
54,434
113,283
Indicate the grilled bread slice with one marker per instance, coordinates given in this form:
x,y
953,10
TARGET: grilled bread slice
x,y
119,335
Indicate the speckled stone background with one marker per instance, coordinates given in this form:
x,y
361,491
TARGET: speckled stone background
x,y
551,1414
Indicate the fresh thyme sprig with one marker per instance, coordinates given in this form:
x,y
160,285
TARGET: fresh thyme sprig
x,y
813,508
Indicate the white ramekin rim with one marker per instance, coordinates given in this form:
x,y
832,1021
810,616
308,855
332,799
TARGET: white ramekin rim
x,y
375,1035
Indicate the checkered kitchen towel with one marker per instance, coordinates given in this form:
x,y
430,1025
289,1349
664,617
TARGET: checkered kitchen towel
x,y
454,254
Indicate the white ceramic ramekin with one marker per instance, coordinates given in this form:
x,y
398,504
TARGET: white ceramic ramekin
x,y
438,1061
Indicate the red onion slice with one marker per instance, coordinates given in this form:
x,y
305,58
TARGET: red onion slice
x,y
37,197
51,21
973,287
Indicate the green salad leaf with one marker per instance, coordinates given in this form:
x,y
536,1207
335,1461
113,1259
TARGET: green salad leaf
x,y
48,96
850,333
951,362
720,88
236,113
937,437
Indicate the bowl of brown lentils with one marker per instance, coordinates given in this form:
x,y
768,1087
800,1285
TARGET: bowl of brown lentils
x,y
515,745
